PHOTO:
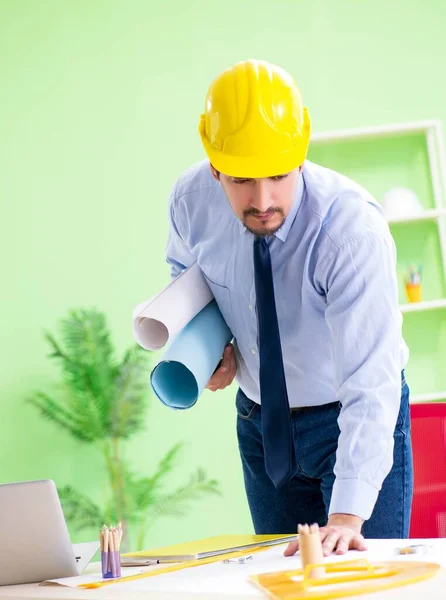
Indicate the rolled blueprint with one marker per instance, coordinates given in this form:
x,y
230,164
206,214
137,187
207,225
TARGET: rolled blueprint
x,y
158,320
187,365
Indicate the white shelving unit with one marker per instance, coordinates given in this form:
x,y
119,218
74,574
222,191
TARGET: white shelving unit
x,y
437,165
434,397
432,131
427,215
419,306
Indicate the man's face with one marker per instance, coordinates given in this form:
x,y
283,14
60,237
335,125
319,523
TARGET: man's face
x,y
261,204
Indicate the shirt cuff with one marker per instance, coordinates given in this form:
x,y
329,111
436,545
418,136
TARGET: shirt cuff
x,y
353,497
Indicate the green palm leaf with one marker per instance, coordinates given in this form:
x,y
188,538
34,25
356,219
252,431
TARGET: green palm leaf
x,y
80,510
88,346
145,491
178,502
131,387
88,368
56,413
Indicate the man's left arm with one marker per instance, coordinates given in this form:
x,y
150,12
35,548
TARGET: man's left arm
x,y
363,316
365,324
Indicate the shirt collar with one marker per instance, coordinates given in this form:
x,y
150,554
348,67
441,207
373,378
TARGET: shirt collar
x,y
282,233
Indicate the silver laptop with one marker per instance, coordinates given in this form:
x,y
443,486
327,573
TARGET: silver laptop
x,y
34,541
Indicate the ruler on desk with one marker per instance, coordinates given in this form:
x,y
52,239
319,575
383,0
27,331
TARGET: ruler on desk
x,y
175,567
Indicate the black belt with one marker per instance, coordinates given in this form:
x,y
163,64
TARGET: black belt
x,y
301,409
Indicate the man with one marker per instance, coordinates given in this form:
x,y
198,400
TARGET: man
x,y
302,266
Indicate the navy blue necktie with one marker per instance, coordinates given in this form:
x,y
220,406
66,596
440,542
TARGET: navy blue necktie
x,y
276,417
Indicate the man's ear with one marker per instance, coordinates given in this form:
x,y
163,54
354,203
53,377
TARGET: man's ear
x,y
215,173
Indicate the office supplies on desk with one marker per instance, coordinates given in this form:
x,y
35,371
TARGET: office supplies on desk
x,y
310,548
347,578
91,578
413,549
139,561
241,560
195,554
201,576
209,547
110,555
173,568
413,284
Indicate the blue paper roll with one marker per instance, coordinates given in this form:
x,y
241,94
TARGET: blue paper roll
x,y
187,365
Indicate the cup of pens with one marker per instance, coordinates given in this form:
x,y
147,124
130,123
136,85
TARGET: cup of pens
x,y
413,284
110,538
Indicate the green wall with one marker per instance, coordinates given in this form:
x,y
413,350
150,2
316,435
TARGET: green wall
x,y
99,108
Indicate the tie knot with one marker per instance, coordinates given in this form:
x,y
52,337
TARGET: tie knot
x,y
261,240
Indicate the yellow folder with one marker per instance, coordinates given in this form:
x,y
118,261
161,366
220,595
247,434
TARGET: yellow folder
x,y
205,548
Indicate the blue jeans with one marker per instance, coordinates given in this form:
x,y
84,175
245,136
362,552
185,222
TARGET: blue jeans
x,y
306,497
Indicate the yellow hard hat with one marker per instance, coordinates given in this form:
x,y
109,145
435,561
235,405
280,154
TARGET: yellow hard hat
x,y
254,123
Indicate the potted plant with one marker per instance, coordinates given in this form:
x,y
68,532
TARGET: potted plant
x,y
104,403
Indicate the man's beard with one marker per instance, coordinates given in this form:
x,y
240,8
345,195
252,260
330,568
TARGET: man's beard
x,y
263,230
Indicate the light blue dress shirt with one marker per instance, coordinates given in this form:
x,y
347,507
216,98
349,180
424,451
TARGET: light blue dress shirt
x,y
334,265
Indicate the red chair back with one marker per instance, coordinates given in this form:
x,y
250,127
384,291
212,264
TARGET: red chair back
x,y
428,421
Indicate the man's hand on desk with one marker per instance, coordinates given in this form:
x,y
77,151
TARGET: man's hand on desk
x,y
342,533
225,373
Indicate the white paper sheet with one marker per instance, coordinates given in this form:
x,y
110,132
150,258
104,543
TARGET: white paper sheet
x,y
91,578
159,319
232,578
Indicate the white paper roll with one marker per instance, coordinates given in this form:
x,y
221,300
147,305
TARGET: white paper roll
x,y
158,320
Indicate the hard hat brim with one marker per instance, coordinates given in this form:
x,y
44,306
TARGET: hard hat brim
x,y
254,167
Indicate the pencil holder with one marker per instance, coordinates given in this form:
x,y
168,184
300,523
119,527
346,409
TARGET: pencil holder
x,y
104,564
111,564
110,554
413,292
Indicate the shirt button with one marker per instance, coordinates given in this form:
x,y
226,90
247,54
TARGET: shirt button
x,y
250,307
253,350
